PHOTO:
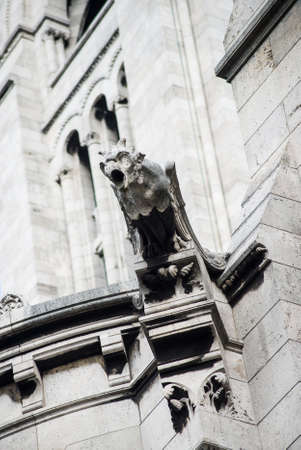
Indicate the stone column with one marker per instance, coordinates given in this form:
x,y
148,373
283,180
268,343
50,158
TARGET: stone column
x,y
61,39
123,120
109,217
50,46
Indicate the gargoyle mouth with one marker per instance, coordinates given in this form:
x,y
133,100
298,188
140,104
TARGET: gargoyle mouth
x,y
117,177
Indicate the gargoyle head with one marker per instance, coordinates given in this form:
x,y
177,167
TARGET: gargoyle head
x,y
122,165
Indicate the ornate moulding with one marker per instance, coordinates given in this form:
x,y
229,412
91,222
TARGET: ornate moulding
x,y
10,302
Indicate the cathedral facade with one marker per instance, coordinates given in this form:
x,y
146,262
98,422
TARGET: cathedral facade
x,y
130,319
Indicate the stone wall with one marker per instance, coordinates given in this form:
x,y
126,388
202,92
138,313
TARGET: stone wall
x,y
267,91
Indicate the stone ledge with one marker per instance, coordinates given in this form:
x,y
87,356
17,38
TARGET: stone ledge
x,y
258,28
31,316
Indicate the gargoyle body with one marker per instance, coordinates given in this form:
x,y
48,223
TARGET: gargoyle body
x,y
143,191
151,201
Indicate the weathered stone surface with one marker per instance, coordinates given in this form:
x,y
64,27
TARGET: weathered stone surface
x,y
292,106
270,385
75,376
270,334
286,34
127,439
282,425
23,439
82,425
160,420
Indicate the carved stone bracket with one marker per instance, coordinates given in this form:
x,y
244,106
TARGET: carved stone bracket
x,y
10,302
55,33
179,278
234,281
115,357
28,379
180,404
216,395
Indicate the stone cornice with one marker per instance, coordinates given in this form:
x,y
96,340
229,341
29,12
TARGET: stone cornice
x,y
258,28
29,31
54,311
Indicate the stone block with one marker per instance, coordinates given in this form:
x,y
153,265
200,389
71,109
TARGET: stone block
x,y
266,140
276,379
270,334
259,298
296,445
75,376
271,93
282,425
287,282
23,439
292,106
157,429
126,439
253,73
10,403
286,33
283,213
85,424
284,247
149,397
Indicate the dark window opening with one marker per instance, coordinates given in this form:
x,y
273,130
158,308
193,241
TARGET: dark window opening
x,y
92,9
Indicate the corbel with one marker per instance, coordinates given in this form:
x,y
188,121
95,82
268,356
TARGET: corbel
x,y
235,280
115,358
29,381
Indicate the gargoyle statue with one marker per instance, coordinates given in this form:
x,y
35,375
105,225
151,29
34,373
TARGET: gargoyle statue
x,y
152,204
143,191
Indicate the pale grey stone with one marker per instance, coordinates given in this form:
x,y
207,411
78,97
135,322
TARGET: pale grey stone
x,y
270,385
292,105
149,398
287,33
266,140
159,420
282,426
85,424
26,438
83,378
269,335
126,439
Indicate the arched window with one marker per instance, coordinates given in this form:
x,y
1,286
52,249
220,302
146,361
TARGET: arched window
x,y
79,205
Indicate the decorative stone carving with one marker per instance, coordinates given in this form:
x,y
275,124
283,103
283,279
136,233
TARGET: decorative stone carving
x,y
164,282
180,404
217,396
152,205
10,302
235,281
29,381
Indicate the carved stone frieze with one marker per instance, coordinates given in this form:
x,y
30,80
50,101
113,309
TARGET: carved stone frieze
x,y
217,396
10,302
180,404
173,279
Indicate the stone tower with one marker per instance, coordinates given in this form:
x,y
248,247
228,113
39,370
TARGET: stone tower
x,y
119,328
